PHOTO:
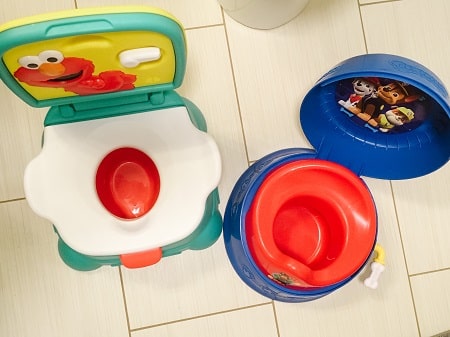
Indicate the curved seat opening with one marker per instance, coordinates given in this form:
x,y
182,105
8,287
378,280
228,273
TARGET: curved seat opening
x,y
127,183
312,220
311,230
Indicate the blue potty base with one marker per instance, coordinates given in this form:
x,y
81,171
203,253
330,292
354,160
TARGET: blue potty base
x,y
379,115
235,238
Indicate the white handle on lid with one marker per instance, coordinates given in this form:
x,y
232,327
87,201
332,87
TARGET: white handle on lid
x,y
133,57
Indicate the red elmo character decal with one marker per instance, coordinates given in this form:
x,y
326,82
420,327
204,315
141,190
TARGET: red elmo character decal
x,y
73,74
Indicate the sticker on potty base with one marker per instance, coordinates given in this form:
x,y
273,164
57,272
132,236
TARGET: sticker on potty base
x,y
51,69
382,104
284,279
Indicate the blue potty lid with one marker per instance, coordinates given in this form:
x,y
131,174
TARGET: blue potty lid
x,y
382,116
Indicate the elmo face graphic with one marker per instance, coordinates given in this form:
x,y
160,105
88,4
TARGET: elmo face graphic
x,y
51,69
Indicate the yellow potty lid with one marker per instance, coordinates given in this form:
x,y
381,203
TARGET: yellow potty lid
x,y
84,55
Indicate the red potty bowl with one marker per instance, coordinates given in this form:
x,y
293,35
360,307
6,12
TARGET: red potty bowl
x,y
312,223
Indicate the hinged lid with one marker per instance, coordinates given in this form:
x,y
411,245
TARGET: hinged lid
x,y
92,54
382,116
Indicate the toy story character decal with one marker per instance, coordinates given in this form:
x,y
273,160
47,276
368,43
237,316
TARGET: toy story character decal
x,y
382,104
51,69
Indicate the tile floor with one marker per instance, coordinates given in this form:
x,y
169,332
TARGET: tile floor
x,y
249,84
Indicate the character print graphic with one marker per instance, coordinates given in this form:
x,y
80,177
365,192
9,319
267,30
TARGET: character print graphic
x,y
52,69
382,104
362,87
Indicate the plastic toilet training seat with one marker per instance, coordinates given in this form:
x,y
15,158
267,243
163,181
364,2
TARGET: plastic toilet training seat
x,y
119,179
297,228
60,183
324,264
314,220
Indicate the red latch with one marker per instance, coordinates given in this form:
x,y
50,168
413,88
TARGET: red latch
x,y
141,259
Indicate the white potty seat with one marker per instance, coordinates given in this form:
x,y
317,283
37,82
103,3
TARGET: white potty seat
x,y
60,181
127,173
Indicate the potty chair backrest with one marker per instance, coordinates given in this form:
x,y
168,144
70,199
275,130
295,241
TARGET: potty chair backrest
x,y
85,58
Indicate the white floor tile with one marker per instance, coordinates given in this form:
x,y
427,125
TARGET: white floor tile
x,y
184,286
432,301
21,8
423,42
20,135
253,322
424,214
42,297
192,13
20,125
355,310
274,69
209,84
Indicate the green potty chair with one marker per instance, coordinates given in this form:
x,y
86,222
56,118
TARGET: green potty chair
x,y
127,173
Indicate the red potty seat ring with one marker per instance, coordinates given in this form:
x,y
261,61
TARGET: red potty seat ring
x,y
312,223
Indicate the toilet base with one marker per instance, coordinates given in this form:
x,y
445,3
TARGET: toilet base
x,y
204,236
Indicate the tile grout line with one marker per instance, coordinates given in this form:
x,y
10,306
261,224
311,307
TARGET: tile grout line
x,y
235,87
378,2
11,200
232,75
205,26
190,28
430,272
404,258
124,298
277,326
217,313
362,26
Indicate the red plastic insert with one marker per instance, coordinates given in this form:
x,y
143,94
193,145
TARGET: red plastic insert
x,y
127,183
312,223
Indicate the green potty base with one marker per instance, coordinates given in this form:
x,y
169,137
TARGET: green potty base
x,y
203,237
105,67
